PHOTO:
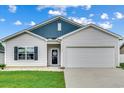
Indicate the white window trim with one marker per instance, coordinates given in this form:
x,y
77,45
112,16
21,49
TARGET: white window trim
x,y
18,54
32,53
25,54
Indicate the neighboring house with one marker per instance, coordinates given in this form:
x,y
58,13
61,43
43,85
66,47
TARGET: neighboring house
x,y
122,53
62,42
122,49
1,54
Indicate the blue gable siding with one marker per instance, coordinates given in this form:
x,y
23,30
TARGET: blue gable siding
x,y
51,30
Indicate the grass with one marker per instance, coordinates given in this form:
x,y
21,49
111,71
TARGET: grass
x,y
121,66
31,79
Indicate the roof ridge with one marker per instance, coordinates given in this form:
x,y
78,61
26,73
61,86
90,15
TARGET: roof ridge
x,y
54,19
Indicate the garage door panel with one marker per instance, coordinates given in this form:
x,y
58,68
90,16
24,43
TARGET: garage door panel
x,y
90,57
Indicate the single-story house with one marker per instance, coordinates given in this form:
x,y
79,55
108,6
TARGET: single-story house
x,y
122,53
122,49
62,42
1,54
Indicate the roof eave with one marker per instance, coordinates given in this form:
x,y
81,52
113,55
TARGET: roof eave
x,y
53,19
10,36
95,26
107,31
18,33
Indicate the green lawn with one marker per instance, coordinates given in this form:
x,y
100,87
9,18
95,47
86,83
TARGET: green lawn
x,y
31,79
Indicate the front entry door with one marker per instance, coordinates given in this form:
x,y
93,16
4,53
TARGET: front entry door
x,y
54,56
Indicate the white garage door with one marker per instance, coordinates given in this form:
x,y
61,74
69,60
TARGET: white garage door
x,y
90,57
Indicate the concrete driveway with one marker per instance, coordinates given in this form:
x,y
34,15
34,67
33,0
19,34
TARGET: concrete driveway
x,y
94,78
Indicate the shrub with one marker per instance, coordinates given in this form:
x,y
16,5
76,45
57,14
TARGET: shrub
x,y
2,66
122,65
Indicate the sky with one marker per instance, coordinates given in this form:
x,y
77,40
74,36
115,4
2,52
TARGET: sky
x,y
17,18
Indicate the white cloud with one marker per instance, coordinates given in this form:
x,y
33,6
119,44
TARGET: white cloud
x,y
87,7
53,12
41,7
12,8
32,23
104,16
119,15
113,18
61,9
106,25
2,20
18,23
82,20
56,9
91,15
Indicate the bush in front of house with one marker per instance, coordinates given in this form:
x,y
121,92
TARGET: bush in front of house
x,y
2,66
122,65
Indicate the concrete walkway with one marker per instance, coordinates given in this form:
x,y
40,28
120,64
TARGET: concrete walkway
x,y
94,78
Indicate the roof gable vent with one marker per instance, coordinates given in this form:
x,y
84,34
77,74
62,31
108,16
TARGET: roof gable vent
x,y
59,27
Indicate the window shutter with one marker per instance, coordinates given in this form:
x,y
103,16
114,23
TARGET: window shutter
x,y
36,53
15,53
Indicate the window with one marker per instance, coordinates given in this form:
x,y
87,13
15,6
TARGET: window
x,y
26,53
59,26
21,53
30,53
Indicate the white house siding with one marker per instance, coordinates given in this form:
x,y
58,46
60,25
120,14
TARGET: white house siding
x,y
89,37
26,40
1,58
